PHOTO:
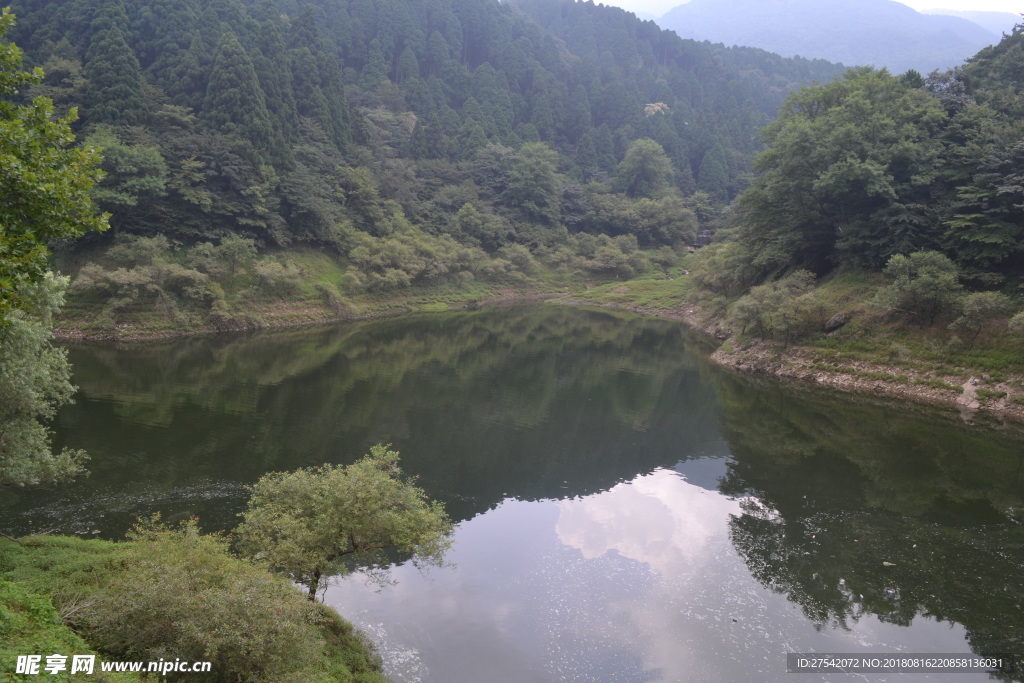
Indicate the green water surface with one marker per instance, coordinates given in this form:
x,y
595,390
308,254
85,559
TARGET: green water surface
x,y
626,511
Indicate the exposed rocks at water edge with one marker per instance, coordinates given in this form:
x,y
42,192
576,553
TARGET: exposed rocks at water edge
x,y
873,378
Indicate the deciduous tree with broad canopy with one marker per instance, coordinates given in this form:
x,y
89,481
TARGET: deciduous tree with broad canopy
x,y
45,186
307,523
45,182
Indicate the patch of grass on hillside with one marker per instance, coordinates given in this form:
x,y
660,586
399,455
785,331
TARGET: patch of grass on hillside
x,y
425,298
874,335
650,292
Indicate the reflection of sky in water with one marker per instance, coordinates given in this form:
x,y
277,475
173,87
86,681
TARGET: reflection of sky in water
x,y
638,583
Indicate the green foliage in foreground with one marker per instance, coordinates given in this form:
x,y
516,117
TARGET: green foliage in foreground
x,y
29,624
34,382
307,522
44,182
45,187
178,593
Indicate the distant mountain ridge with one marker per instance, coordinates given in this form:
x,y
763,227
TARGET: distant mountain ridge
x,y
854,32
996,22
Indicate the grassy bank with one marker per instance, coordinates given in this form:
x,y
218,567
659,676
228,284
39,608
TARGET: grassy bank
x,y
310,287
145,288
875,350
169,593
29,624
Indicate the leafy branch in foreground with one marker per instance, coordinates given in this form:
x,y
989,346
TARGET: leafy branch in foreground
x,y
45,186
35,380
45,182
307,523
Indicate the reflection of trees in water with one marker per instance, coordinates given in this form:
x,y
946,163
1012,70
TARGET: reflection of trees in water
x,y
855,509
530,402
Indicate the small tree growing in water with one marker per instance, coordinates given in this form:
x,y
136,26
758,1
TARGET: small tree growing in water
x,y
307,523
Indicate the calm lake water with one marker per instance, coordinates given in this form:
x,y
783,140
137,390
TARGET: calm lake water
x,y
626,511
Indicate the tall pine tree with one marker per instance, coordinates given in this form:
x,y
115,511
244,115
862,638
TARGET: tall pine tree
x,y
165,31
114,93
235,103
186,80
713,175
275,78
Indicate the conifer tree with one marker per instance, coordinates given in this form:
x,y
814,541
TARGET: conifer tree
x,y
376,69
310,100
471,138
438,55
275,78
713,175
186,80
579,120
114,93
408,66
232,16
211,28
317,82
164,33
108,14
342,122
303,32
235,103
605,147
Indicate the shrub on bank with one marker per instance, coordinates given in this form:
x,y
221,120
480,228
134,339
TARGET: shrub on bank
x,y
29,624
176,593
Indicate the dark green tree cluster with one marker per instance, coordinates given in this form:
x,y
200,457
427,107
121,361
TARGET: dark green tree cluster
x,y
199,101
875,165
919,179
326,122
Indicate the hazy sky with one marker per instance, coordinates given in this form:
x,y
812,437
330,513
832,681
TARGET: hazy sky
x,y
659,7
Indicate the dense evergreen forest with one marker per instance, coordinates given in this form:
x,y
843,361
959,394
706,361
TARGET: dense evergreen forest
x,y
431,142
457,142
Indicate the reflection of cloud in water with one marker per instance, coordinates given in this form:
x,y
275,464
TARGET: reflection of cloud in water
x,y
658,519
679,531
640,583
702,616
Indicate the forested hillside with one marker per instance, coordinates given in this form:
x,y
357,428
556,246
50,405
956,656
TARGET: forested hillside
x,y
874,165
434,142
889,212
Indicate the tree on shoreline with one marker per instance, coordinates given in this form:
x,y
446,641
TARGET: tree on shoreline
x,y
308,522
45,183
45,186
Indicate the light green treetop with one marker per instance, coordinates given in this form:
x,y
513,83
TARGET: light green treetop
x,y
35,380
306,523
645,171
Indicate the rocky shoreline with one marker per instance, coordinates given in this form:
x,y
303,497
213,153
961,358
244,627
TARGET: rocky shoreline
x,y
798,364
